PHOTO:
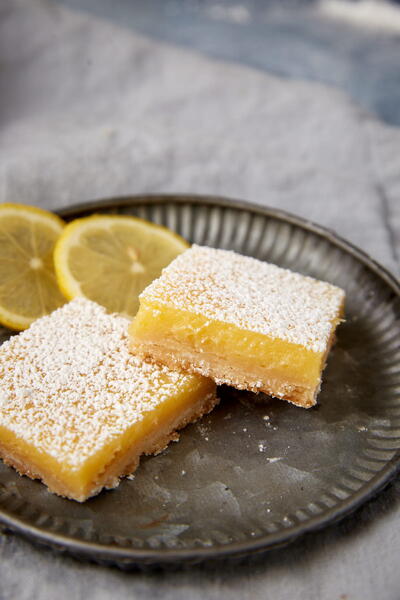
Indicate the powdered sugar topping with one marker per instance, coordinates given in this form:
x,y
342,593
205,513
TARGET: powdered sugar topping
x,y
251,294
69,384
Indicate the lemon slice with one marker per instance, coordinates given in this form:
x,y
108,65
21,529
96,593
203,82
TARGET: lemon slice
x,y
28,285
111,259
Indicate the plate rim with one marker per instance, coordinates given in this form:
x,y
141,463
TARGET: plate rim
x,y
125,556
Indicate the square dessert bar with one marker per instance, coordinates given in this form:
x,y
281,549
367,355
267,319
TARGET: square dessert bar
x,y
77,409
241,321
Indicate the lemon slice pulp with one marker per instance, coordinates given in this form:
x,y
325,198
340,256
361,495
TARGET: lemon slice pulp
x,y
28,285
111,259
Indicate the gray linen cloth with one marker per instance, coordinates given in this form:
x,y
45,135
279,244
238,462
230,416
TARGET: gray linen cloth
x,y
90,110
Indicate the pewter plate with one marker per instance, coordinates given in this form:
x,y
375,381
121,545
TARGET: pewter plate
x,y
251,475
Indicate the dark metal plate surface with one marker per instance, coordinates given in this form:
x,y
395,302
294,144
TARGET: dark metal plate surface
x,y
251,475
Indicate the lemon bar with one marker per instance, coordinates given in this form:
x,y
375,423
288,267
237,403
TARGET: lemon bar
x,y
241,321
77,409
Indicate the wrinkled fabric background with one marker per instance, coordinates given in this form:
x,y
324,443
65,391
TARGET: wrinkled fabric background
x,y
89,109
